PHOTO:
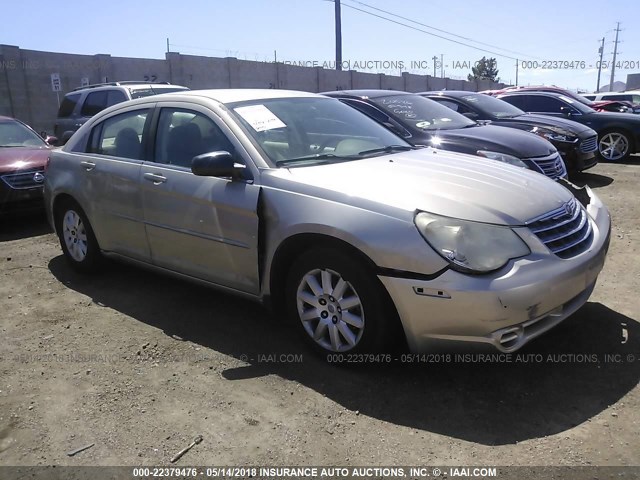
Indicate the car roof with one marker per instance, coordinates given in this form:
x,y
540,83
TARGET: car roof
x,y
533,92
371,93
230,95
450,93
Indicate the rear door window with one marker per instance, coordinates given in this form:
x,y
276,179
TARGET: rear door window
x,y
121,135
94,103
115,96
68,104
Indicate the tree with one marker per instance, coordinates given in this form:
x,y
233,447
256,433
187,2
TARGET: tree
x,y
485,69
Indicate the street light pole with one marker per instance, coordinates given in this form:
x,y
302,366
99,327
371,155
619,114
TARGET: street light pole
x,y
338,35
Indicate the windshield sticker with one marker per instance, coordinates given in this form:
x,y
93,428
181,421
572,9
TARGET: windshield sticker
x,y
424,124
260,117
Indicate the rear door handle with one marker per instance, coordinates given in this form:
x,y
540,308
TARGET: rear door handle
x,y
156,179
88,165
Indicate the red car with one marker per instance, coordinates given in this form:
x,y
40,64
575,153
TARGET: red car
x,y
23,155
599,106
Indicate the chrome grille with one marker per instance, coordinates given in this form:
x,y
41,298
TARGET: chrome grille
x,y
552,166
24,180
565,231
589,145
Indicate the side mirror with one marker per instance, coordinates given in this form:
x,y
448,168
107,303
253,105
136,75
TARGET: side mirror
x,y
471,115
216,164
51,140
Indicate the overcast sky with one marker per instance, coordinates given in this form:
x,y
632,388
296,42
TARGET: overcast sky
x,y
302,31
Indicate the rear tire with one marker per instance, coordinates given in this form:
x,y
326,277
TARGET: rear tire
x,y
338,304
77,239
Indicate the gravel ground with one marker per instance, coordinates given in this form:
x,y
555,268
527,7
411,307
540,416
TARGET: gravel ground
x,y
139,364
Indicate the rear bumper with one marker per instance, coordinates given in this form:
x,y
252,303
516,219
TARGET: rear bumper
x,y
507,309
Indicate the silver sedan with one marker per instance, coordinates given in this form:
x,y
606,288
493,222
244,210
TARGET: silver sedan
x,y
300,202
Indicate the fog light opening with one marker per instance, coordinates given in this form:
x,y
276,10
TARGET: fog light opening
x,y
510,339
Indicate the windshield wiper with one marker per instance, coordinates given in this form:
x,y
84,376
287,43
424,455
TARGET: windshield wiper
x,y
387,149
328,157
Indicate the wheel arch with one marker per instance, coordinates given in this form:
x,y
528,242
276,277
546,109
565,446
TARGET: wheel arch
x,y
292,247
296,245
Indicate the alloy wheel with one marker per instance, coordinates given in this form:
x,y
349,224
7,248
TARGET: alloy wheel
x,y
613,146
330,310
75,235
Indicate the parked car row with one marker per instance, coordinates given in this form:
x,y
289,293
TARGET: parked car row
x,y
337,219
425,122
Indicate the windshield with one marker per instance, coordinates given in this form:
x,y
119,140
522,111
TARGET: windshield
x,y
305,131
418,112
492,106
15,134
581,107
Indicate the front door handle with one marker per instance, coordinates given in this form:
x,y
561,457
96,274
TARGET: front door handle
x,y
88,165
156,179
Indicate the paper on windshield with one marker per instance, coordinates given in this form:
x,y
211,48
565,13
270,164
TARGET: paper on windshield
x,y
260,117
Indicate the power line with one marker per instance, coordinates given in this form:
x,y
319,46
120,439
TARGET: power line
x,y
430,33
441,30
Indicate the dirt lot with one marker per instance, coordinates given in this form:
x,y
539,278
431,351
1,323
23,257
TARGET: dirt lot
x,y
139,364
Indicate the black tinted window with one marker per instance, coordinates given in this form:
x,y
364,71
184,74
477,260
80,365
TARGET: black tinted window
x,y
517,101
545,104
115,96
68,104
94,103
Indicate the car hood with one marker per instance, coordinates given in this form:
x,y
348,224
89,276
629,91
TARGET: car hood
x,y
498,139
444,183
22,158
542,121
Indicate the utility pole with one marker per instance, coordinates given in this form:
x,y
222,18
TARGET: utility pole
x,y
168,45
601,52
517,65
435,63
338,35
613,64
441,65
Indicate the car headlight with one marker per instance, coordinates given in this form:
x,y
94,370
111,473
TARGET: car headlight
x,y
502,157
470,247
555,135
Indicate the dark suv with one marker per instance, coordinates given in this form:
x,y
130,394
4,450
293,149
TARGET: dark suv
x,y
82,103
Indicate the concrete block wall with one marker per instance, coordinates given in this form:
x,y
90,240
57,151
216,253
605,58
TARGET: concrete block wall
x,y
26,93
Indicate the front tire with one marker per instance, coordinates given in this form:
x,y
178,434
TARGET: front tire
x,y
337,303
77,239
614,146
